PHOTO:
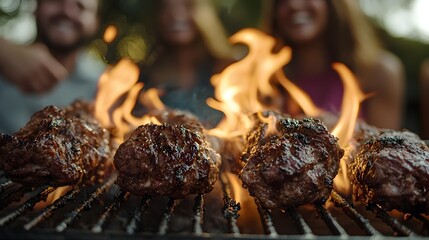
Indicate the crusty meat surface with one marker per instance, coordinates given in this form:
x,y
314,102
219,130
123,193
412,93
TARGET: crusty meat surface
x,y
294,166
57,147
392,169
257,135
178,117
166,160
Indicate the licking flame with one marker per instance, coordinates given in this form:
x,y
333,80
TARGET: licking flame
x,y
302,99
241,89
271,121
241,86
117,96
343,130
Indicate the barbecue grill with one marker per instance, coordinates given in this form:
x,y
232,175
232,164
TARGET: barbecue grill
x,y
104,211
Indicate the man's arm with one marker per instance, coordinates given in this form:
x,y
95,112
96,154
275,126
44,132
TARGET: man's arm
x,y
30,68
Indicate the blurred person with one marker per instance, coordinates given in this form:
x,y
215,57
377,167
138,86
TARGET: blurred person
x,y
55,69
321,32
424,98
189,46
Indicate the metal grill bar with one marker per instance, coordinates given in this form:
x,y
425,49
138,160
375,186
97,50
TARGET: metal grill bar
x,y
14,193
299,221
332,223
27,206
49,210
168,213
352,213
119,199
231,207
393,222
5,186
267,220
78,211
132,227
198,214
230,210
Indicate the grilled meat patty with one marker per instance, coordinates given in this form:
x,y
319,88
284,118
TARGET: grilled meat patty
x,y
258,135
293,166
392,169
57,147
166,160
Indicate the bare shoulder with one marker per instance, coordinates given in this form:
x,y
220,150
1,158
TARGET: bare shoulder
x,y
387,70
424,71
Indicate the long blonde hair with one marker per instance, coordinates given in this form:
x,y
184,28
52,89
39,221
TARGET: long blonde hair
x,y
209,25
350,38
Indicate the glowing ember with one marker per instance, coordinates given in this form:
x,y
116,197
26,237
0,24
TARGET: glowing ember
x,y
52,197
110,34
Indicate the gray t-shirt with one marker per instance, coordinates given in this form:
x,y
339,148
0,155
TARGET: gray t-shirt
x,y
17,107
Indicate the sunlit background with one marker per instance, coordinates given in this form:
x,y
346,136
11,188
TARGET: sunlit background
x,y
403,26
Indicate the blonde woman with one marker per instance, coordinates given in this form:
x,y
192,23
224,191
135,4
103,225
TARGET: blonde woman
x,y
189,45
321,32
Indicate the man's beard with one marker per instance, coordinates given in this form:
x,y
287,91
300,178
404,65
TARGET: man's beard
x,y
43,37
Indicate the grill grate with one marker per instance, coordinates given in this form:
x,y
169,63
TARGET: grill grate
x,y
126,216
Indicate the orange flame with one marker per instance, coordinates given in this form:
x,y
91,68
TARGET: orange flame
x,y
113,84
271,121
57,193
151,99
110,108
110,34
345,126
239,88
302,99
239,91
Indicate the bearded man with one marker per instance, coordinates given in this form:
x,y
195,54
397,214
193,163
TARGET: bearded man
x,y
56,69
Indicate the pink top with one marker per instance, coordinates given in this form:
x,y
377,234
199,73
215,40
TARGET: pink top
x,y
326,90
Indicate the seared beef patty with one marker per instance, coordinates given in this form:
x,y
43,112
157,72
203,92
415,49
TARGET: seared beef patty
x,y
293,166
166,160
57,147
392,169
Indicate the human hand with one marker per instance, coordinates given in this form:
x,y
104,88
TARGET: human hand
x,y
30,68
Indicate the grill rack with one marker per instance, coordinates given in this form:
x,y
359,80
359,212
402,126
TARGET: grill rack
x,y
17,223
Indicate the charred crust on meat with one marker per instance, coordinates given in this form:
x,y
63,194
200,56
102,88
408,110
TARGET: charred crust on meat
x,y
172,160
292,167
56,148
391,169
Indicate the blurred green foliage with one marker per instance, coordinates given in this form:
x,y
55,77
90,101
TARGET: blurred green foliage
x,y
9,9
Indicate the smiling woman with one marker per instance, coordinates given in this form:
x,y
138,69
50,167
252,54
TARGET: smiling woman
x,y
321,32
185,54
